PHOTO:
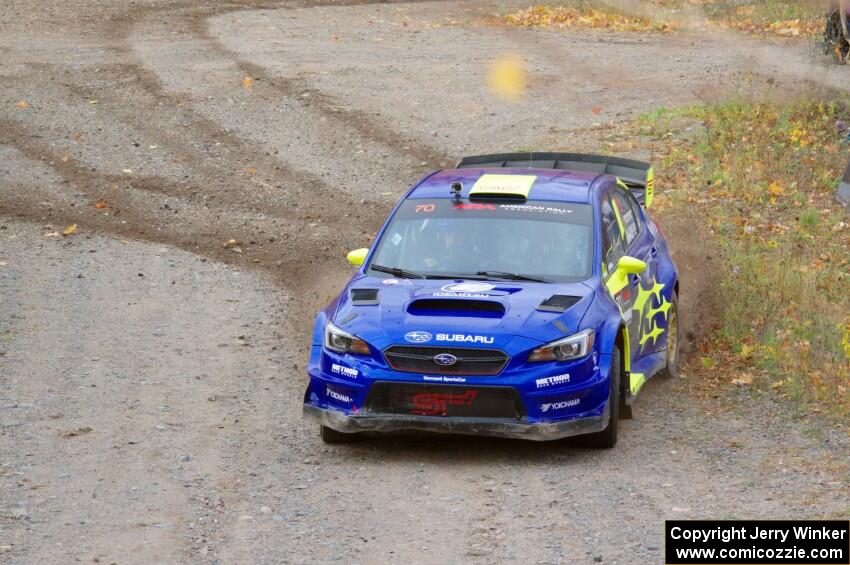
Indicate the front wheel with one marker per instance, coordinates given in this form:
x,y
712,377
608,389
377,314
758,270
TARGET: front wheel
x,y
607,438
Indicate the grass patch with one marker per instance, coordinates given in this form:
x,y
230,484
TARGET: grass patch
x,y
763,176
794,18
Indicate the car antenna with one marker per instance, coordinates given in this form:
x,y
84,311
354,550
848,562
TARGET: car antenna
x,y
456,188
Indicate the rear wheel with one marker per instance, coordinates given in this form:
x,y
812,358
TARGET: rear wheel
x,y
607,438
330,435
671,369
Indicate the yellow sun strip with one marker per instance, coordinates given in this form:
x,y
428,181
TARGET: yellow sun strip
x,y
503,185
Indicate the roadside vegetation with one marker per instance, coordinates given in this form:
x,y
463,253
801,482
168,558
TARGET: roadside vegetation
x,y
584,15
761,177
780,17
767,17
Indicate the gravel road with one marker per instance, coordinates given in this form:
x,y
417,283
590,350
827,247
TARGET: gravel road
x,y
152,363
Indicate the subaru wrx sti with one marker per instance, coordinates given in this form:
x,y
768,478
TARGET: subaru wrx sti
x,y
516,295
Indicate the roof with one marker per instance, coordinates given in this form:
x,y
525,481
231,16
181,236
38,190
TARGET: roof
x,y
553,185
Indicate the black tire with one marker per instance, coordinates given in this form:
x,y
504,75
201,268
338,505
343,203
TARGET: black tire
x,y
607,438
674,339
330,435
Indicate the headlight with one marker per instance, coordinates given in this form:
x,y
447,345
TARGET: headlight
x,y
574,347
343,342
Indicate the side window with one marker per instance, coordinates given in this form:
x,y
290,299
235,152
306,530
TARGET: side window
x,y
623,208
613,245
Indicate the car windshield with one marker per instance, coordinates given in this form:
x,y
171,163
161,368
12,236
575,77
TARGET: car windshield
x,y
549,241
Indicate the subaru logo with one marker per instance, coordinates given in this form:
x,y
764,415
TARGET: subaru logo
x,y
445,359
417,337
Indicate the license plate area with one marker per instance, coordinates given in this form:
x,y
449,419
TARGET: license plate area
x,y
445,401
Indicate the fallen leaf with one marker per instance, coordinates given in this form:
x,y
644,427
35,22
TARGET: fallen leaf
x,y
775,189
596,110
70,230
743,379
251,170
100,204
23,105
247,83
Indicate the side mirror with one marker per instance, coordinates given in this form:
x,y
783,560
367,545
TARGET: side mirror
x,y
631,265
357,256
619,279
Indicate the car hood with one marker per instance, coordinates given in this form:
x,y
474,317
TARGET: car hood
x,y
463,313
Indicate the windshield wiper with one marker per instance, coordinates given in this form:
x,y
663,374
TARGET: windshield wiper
x,y
511,276
396,272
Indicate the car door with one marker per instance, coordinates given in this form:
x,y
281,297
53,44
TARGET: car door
x,y
644,332
613,248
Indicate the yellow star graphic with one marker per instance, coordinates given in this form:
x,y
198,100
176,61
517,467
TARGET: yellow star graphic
x,y
663,308
656,290
656,331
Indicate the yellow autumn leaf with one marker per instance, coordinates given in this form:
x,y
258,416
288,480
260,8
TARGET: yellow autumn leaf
x,y
23,105
247,83
70,230
775,189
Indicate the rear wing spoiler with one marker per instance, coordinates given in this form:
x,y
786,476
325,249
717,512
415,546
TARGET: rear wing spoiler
x,y
638,176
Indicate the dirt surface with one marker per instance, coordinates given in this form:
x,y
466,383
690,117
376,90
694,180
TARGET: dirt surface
x,y
151,374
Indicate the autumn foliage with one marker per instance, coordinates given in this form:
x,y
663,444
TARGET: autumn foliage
x,y
762,176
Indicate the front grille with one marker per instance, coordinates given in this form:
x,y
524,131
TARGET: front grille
x,y
441,400
414,359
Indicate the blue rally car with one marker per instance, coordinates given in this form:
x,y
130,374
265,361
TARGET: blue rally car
x,y
517,295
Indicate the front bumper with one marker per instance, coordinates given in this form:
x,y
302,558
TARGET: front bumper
x,y
545,431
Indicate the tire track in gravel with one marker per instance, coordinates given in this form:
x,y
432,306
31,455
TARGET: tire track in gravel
x,y
181,129
232,536
326,105
135,214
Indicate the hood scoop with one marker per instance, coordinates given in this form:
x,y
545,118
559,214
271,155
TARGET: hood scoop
x,y
456,308
364,296
558,303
